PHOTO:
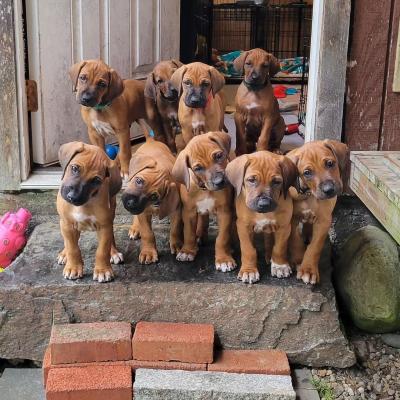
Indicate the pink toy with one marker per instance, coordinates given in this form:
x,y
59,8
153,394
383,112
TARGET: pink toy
x,y
12,234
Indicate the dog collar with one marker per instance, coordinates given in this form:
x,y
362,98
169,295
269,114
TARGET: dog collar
x,y
101,107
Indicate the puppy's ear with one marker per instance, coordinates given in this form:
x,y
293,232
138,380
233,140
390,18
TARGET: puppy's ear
x,y
138,163
180,171
74,72
217,80
176,63
289,174
115,180
150,89
274,65
235,171
222,139
177,78
67,152
115,87
291,155
171,202
340,151
238,63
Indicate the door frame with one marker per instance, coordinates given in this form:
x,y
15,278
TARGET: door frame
x,y
326,89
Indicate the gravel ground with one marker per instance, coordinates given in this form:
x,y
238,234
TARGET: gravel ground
x,y
376,376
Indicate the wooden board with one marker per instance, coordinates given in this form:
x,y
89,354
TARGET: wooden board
x,y
374,178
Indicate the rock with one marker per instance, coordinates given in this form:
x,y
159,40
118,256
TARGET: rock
x,y
391,339
367,278
361,350
299,319
22,384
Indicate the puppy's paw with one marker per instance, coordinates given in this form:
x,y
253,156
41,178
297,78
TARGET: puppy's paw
x,y
280,270
225,263
308,217
186,255
148,255
248,275
116,257
308,274
62,257
73,273
103,274
134,233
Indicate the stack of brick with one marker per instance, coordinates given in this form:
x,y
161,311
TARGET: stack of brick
x,y
98,360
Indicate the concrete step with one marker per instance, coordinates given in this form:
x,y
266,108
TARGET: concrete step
x,y
182,385
22,384
300,319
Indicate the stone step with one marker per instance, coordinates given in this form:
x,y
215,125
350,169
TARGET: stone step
x,y
21,384
182,385
286,314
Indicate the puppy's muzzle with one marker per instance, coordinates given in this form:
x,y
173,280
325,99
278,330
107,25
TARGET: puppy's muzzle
x,y
76,195
88,99
328,189
217,181
170,94
133,203
195,99
263,204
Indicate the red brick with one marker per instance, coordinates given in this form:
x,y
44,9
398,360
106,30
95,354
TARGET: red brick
x,y
272,362
163,341
136,364
93,342
90,383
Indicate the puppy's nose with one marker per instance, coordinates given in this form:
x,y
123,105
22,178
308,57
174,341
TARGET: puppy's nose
x,y
73,196
131,202
218,179
264,202
86,97
328,188
254,75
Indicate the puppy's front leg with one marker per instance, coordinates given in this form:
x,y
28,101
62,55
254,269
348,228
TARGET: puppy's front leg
x,y
175,233
170,136
265,134
95,138
308,271
134,230
102,269
296,243
223,260
279,262
116,257
148,251
73,265
125,151
190,248
248,270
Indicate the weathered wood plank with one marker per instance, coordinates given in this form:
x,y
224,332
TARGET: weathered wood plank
x,y
10,172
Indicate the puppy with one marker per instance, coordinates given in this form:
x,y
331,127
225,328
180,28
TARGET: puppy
x,y
261,181
152,191
201,105
200,167
259,125
320,165
161,100
109,105
86,202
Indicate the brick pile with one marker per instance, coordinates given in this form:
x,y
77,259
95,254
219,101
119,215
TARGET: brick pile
x,y
99,360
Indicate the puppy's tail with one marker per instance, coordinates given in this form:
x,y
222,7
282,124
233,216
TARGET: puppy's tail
x,y
148,133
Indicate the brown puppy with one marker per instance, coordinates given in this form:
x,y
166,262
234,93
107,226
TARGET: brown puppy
x,y
86,202
319,165
261,181
161,100
201,105
200,167
259,124
109,105
152,191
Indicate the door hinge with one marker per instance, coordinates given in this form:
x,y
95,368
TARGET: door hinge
x,y
31,95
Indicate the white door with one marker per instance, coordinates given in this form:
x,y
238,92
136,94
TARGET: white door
x,y
129,35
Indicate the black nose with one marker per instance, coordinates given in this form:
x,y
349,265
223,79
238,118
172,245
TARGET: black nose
x,y
218,179
328,188
131,202
72,196
254,75
264,202
86,97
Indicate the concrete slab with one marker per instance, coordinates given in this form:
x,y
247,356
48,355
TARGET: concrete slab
x,y
22,384
302,385
286,314
182,385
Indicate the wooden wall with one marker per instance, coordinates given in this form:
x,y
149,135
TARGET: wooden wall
x,y
372,109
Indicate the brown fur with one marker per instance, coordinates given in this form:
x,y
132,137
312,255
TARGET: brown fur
x,y
91,178
156,193
96,79
200,167
312,207
206,82
259,124
261,181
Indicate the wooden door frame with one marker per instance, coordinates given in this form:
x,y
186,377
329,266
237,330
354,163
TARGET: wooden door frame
x,y
328,59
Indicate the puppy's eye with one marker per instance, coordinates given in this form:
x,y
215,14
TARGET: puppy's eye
x,y
139,181
252,179
101,84
159,81
276,181
154,197
205,83
248,63
75,169
197,168
187,82
96,180
219,156
83,78
307,173
329,163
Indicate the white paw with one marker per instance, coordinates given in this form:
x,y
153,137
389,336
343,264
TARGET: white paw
x,y
249,277
103,276
116,258
61,259
181,256
280,271
306,277
134,235
225,266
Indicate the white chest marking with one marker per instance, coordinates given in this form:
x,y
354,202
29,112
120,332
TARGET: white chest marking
x,y
196,124
205,205
252,105
84,222
102,128
261,223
